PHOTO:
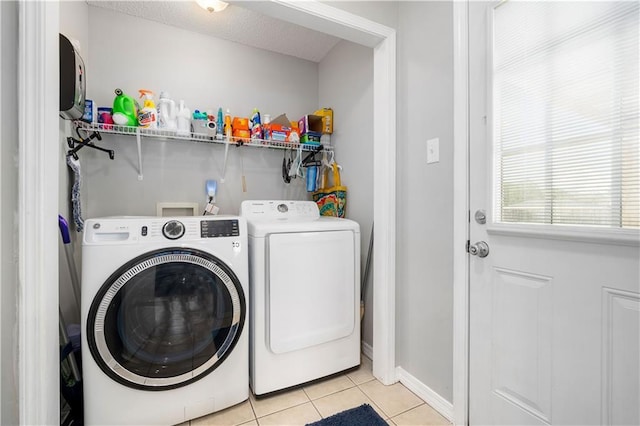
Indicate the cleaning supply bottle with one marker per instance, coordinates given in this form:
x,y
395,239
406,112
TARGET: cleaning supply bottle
x,y
183,120
256,125
220,124
148,115
199,122
266,127
125,110
167,113
212,125
227,126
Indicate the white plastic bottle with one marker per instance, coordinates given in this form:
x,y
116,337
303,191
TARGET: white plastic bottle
x,y
167,113
183,120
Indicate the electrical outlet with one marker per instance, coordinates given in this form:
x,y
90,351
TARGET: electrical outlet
x,y
433,150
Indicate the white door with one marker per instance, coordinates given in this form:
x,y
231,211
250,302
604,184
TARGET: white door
x,y
554,307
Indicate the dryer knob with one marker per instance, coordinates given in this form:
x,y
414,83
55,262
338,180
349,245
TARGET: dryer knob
x,y
173,229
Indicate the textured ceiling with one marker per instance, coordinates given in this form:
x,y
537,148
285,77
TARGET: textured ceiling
x,y
234,24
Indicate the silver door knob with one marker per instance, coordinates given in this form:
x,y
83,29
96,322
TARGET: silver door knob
x,y
480,249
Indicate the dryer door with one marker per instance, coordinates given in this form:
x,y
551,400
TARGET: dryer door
x,y
166,319
313,296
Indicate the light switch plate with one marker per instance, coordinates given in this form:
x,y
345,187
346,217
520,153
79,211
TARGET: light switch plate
x,y
433,150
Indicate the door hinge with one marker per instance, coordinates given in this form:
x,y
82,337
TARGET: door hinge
x,y
468,244
468,216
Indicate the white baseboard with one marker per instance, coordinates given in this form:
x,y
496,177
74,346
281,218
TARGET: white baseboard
x,y
428,395
367,350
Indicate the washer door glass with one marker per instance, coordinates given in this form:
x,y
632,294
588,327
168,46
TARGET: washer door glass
x,y
166,319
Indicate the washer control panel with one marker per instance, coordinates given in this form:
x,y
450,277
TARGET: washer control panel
x,y
219,228
173,229
116,230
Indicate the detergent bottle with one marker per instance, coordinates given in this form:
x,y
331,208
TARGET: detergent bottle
x,y
148,115
125,110
183,120
228,130
167,114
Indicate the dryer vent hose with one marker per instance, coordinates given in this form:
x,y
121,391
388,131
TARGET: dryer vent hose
x,y
365,275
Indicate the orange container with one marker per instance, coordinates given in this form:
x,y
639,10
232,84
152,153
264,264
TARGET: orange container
x,y
240,126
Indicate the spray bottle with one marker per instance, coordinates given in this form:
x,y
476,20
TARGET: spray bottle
x,y
148,115
256,125
220,124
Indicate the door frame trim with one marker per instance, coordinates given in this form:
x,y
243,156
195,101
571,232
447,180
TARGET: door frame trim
x,y
38,159
460,212
38,174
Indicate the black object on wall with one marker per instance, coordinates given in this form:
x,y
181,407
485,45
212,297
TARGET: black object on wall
x,y
72,81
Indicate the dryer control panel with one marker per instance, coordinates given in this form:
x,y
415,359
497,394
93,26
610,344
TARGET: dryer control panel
x,y
279,210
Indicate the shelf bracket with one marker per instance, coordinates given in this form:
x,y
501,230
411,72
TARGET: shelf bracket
x,y
226,155
139,143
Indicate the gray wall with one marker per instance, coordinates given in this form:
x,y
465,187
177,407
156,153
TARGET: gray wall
x,y
424,263
346,84
9,385
424,328
182,63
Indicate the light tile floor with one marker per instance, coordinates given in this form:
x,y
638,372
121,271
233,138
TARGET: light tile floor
x,y
395,403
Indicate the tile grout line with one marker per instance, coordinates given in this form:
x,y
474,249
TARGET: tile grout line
x,y
316,408
372,401
255,416
409,409
284,409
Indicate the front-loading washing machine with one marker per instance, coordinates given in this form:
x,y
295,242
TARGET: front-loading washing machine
x,y
164,308
304,279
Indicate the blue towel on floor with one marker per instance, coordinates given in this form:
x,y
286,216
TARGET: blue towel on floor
x,y
363,415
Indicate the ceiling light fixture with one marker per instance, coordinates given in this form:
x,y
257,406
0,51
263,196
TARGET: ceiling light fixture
x,y
212,5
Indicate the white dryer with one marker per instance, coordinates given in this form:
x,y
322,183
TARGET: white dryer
x,y
305,294
164,302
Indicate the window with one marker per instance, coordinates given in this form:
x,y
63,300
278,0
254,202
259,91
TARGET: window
x,y
565,113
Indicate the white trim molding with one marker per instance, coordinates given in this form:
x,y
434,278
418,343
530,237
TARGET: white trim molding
x,y
461,213
323,17
384,216
367,350
38,347
581,234
428,395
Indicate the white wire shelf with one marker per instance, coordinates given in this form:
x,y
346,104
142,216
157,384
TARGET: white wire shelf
x,y
196,137
140,132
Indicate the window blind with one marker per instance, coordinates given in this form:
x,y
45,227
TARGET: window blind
x,y
565,104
